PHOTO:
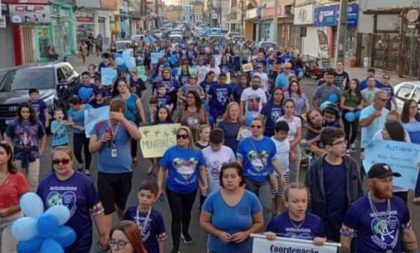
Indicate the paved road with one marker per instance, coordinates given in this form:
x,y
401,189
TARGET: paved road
x,y
139,174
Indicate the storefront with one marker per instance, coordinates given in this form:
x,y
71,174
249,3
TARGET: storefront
x,y
267,24
85,25
63,29
326,21
304,20
251,27
6,40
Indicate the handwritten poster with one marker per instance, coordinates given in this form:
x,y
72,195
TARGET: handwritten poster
x,y
157,139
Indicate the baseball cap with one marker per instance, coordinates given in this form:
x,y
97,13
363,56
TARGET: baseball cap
x,y
381,170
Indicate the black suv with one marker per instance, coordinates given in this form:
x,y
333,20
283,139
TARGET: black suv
x,y
55,82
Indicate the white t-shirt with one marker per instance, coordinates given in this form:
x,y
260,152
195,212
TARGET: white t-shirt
x,y
264,80
254,100
282,153
293,126
214,161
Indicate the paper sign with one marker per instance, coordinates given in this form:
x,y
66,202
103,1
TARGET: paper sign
x,y
193,71
402,157
108,76
93,116
281,244
247,67
156,56
155,140
142,73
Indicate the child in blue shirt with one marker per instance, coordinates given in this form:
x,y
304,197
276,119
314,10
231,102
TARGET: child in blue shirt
x,y
59,129
149,220
296,222
163,99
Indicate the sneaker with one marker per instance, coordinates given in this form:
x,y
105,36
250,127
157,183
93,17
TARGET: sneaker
x,y
353,147
87,172
186,239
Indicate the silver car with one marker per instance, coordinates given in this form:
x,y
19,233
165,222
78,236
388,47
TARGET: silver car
x,y
405,91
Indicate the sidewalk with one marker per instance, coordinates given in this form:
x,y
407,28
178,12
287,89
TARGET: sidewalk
x,y
361,74
78,64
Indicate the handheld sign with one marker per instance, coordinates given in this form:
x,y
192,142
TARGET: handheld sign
x,y
108,75
93,116
247,67
155,140
402,157
282,244
142,73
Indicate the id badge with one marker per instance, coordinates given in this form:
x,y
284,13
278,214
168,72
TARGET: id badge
x,y
114,152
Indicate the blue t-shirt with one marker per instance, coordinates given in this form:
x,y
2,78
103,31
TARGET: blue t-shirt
x,y
285,58
131,112
257,157
85,92
311,227
153,231
375,234
78,117
59,131
171,86
363,84
231,133
369,131
413,129
222,219
237,93
335,179
184,79
206,85
272,112
220,98
39,107
164,100
183,168
122,143
78,193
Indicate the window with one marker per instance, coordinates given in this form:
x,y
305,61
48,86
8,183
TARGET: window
x,y
404,92
416,95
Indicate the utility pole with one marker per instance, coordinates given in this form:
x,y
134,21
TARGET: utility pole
x,y
275,21
341,32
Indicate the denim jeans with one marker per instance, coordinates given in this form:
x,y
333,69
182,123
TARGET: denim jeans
x,y
264,194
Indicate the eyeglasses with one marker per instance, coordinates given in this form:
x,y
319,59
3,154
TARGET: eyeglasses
x,y
182,136
62,161
119,243
256,126
384,99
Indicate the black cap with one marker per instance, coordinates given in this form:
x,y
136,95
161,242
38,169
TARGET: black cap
x,y
381,170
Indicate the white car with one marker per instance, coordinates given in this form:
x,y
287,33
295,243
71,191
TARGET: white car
x,y
123,44
405,91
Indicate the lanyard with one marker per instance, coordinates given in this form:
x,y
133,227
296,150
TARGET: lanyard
x,y
137,219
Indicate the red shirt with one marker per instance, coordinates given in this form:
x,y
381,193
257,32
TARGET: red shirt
x,y
13,187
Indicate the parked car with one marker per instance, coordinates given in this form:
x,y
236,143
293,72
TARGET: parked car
x,y
405,91
267,45
55,82
123,44
230,35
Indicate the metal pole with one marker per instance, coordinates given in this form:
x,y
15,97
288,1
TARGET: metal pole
x,y
275,21
341,32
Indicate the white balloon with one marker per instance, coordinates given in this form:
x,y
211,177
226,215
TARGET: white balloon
x,y
62,213
31,205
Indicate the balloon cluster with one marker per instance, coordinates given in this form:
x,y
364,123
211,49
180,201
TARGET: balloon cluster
x,y
40,231
125,61
352,116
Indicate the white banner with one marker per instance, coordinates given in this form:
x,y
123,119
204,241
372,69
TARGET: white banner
x,y
290,245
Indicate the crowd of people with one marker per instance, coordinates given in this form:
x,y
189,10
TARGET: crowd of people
x,y
240,147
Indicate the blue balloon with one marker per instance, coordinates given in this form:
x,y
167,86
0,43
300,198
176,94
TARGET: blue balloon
x,y
47,225
31,205
51,246
350,117
61,212
357,114
126,54
130,63
333,98
24,228
123,68
119,60
30,246
324,105
65,236
248,119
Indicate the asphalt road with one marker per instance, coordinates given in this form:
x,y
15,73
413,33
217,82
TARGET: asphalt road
x,y
139,174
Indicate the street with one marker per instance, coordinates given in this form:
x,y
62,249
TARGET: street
x,y
139,174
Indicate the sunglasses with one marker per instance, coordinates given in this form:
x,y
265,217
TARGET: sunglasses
x,y
256,126
62,161
182,136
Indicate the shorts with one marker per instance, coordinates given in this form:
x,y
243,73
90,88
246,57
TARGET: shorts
x,y
114,189
280,191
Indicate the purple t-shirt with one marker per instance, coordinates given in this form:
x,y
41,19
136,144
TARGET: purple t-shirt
x,y
39,107
78,193
311,227
153,231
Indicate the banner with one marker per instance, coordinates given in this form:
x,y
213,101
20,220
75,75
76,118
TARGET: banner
x,y
108,76
193,71
155,140
401,156
286,245
93,116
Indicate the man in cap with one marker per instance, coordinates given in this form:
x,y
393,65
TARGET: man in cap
x,y
377,219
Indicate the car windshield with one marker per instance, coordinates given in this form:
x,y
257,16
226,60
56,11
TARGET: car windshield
x,y
24,79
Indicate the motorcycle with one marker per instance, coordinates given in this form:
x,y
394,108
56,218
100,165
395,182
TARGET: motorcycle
x,y
312,70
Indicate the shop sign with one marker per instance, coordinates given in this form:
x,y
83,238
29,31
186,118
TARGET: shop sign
x,y
2,21
269,10
30,14
329,15
304,15
250,14
84,19
304,2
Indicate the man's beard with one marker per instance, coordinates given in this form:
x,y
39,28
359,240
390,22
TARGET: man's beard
x,y
379,194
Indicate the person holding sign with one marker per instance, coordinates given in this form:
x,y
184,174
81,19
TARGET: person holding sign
x,y
181,167
296,222
231,214
377,219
